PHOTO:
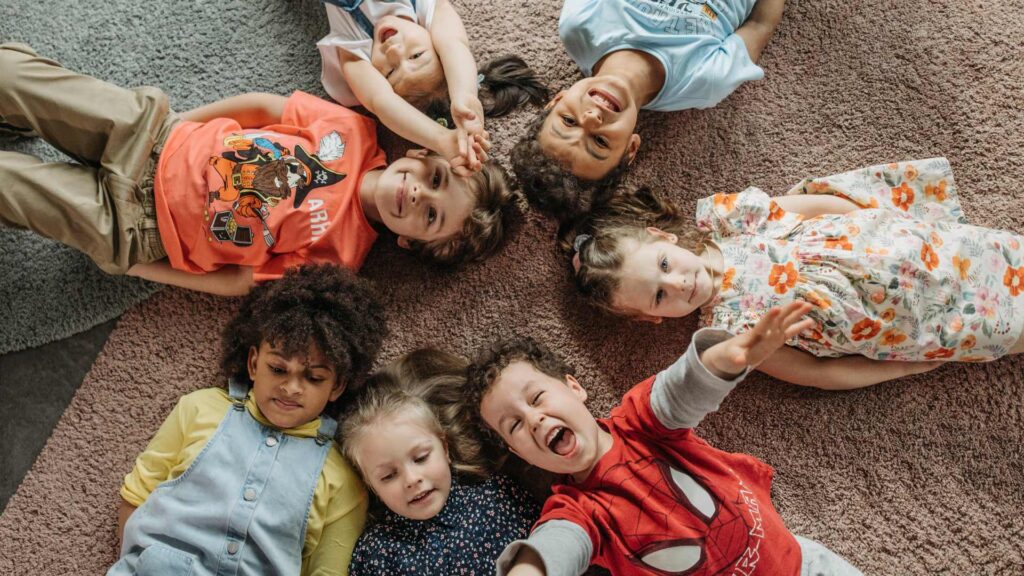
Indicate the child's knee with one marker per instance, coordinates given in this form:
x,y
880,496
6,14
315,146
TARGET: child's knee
x,y
12,56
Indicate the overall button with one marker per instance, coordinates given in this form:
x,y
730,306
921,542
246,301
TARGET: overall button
x,y
249,494
232,547
271,441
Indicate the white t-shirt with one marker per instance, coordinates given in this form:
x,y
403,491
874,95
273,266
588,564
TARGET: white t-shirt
x,y
695,41
352,31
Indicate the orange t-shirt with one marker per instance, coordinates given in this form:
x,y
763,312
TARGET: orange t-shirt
x,y
269,198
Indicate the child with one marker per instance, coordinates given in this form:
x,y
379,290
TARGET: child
x,y
641,493
402,58
247,480
906,281
443,514
230,192
661,56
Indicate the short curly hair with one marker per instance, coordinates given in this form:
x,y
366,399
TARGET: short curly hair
x,y
485,229
320,305
491,362
548,184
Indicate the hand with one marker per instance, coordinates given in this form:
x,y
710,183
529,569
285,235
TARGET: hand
x,y
752,347
451,147
474,141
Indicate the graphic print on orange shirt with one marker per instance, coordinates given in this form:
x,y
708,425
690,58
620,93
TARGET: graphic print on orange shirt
x,y
258,173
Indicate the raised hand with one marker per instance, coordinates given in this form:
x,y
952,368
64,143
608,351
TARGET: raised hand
x,y
733,356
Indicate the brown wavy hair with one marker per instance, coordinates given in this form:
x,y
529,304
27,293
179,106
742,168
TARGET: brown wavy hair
x,y
507,83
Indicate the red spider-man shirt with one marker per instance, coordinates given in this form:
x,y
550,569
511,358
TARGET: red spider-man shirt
x,y
664,502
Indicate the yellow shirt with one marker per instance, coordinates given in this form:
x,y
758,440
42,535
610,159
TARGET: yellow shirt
x,y
338,511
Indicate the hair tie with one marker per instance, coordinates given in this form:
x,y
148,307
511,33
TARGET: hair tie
x,y
580,240
479,79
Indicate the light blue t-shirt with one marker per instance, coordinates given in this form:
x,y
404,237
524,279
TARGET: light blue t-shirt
x,y
695,41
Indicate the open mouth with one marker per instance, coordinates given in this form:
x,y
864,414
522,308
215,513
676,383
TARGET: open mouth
x,y
386,33
561,440
693,289
605,100
421,497
400,194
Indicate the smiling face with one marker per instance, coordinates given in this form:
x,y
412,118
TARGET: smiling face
x,y
406,465
420,198
590,127
659,279
404,54
543,420
291,391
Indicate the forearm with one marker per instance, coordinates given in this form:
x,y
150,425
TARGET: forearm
x,y
452,45
123,512
555,548
253,110
844,373
767,13
226,281
527,563
811,205
406,121
760,26
686,391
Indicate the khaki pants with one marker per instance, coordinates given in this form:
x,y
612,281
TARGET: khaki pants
x,y
103,206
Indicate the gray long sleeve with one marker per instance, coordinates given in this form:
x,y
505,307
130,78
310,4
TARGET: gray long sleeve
x,y
563,546
687,391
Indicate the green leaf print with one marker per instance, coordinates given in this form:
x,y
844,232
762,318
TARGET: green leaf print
x,y
986,329
969,309
891,180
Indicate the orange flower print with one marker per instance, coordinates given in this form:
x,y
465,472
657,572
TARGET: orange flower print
x,y
929,257
774,212
937,190
853,229
817,300
782,277
1014,244
936,239
877,294
909,173
815,187
866,329
956,324
873,203
892,165
969,342
939,354
840,243
1014,280
888,315
975,358
963,267
725,202
892,337
727,279
902,196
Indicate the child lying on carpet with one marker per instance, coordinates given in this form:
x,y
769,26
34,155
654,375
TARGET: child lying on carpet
x,y
661,56
230,192
444,513
641,493
408,61
249,477
897,279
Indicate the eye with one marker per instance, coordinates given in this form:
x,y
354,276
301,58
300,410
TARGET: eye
x,y
568,121
421,458
390,72
277,369
659,296
536,398
436,180
601,141
431,215
416,55
515,426
387,477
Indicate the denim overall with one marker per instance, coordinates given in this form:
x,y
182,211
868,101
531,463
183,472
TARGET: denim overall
x,y
240,508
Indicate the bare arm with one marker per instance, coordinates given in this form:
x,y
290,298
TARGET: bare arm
x,y
846,373
123,512
252,110
760,26
227,281
452,46
527,563
810,205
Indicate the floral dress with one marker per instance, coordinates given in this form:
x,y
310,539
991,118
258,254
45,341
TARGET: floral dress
x,y
905,278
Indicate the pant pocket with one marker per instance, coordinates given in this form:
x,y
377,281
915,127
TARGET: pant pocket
x,y
160,560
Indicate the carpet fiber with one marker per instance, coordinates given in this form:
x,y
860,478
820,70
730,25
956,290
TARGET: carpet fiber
x,y
921,476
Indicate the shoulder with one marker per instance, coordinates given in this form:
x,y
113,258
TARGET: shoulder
x,y
340,475
206,399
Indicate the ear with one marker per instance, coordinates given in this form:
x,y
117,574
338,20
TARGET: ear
x,y
558,97
632,147
576,388
403,242
667,236
418,153
253,357
337,390
647,318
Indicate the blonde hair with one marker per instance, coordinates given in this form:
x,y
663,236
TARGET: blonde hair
x,y
596,242
427,383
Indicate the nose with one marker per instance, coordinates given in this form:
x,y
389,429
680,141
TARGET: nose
x,y
535,419
292,386
681,282
591,118
393,54
412,478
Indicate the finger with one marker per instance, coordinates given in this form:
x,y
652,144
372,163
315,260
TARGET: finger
x,y
795,311
762,327
799,327
463,140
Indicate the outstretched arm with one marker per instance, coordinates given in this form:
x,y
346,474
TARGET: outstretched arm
x,y
227,281
760,26
252,110
811,205
452,45
846,373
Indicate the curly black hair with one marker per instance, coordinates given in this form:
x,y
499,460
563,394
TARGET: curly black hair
x,y
489,364
550,187
322,305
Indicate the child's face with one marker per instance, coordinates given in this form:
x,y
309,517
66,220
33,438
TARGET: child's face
x,y
403,52
659,279
543,420
292,390
420,198
406,466
590,127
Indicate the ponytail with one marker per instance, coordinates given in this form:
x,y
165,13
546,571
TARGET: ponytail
x,y
507,83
